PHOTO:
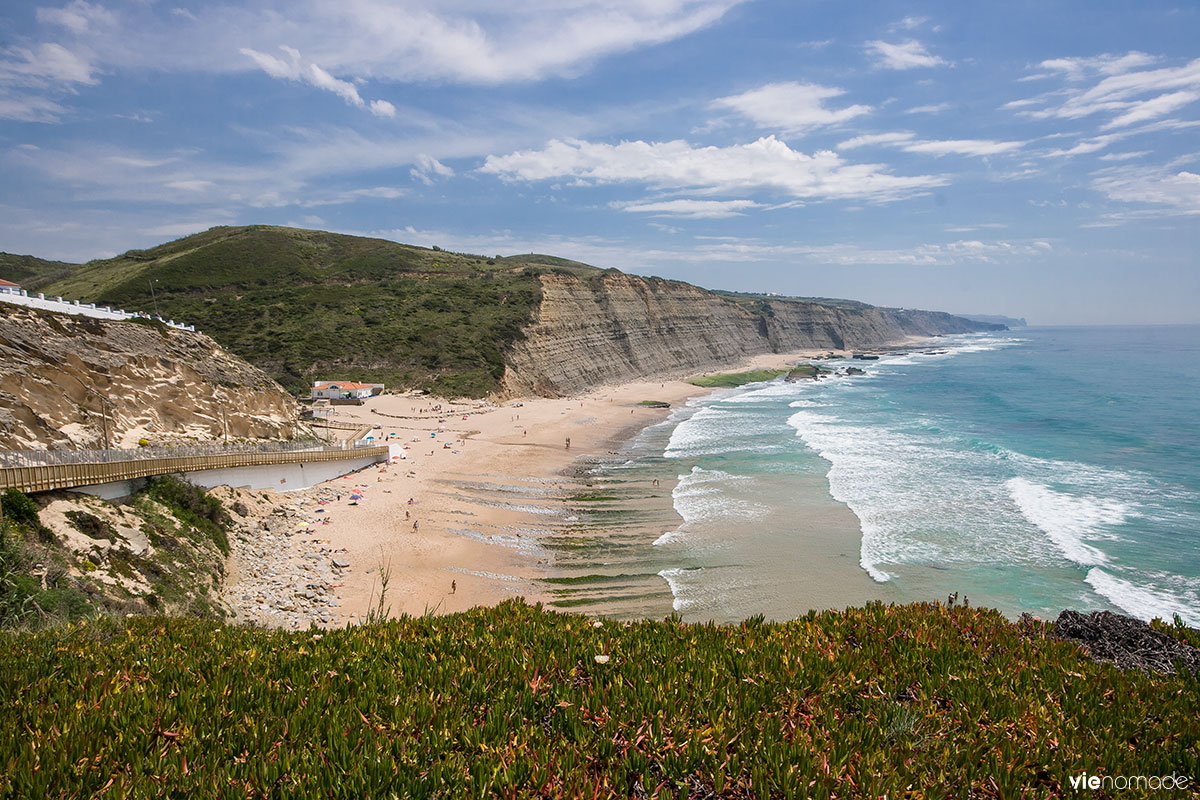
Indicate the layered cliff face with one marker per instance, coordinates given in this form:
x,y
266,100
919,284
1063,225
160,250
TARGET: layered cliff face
x,y
618,327
156,383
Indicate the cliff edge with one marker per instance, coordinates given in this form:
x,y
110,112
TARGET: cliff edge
x,y
64,378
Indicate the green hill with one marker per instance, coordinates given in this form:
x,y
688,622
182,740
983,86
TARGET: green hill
x,y
32,272
306,305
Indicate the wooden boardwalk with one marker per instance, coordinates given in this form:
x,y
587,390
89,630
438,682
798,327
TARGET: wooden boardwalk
x,y
46,477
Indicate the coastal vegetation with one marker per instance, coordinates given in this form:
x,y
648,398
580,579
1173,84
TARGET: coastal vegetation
x,y
161,551
307,305
927,700
730,380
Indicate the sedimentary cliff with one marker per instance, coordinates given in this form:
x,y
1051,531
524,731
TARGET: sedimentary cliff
x,y
156,383
616,327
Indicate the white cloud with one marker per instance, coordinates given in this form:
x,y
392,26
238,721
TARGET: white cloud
x,y
193,185
428,166
382,108
605,252
1155,107
904,55
909,143
765,165
77,16
1129,94
1106,64
323,80
1084,146
870,139
1124,156
466,41
909,23
790,107
293,68
929,109
49,63
28,108
1178,193
962,147
692,209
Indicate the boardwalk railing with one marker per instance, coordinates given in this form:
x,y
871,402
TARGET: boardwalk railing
x,y
44,470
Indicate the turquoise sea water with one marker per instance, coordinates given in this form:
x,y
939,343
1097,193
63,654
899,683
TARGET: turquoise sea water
x,y
1032,470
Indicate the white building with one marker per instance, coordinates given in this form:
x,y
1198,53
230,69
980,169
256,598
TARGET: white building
x,y
8,287
344,390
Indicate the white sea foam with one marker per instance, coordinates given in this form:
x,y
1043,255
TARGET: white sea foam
x,y
715,430
759,392
1143,602
880,476
700,497
1067,519
675,580
805,403
697,429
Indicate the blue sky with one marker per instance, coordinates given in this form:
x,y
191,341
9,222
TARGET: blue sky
x,y
1037,159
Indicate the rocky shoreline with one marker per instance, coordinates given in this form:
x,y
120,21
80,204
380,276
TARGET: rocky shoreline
x,y
282,573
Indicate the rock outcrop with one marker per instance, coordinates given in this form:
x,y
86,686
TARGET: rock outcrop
x,y
64,378
617,327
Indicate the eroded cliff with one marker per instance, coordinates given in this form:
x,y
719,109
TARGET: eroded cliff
x,y
616,327
63,378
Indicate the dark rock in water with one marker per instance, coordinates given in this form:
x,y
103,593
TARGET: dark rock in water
x,y
855,371
863,357
1126,642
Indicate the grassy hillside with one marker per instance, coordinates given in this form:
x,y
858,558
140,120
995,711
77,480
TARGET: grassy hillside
x,y
32,272
918,701
306,305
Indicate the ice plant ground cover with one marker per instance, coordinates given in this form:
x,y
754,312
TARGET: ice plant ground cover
x,y
904,701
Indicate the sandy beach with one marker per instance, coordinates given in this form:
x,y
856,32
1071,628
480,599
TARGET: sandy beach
x,y
446,519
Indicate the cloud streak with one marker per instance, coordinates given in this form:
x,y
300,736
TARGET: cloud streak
x,y
766,165
294,68
903,55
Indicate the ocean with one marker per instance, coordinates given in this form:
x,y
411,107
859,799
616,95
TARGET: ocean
x,y
1030,470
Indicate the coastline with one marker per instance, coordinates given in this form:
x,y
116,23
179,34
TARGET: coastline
x,y
483,479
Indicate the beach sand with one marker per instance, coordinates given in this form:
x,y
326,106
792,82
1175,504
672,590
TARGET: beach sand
x,y
479,477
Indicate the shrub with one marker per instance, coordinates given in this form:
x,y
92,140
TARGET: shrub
x,y
192,505
19,508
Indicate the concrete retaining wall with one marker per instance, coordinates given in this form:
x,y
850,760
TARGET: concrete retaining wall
x,y
280,477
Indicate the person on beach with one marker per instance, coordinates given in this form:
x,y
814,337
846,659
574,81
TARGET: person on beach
x,y
453,587
415,524
568,442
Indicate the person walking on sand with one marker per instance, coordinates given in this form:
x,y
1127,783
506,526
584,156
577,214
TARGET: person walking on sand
x,y
568,442
453,587
415,524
